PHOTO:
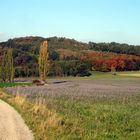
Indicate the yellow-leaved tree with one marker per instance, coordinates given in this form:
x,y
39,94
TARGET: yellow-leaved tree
x,y
43,61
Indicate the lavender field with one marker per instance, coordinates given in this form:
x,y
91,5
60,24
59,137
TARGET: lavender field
x,y
83,87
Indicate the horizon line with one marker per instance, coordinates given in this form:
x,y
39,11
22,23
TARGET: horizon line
x,y
79,40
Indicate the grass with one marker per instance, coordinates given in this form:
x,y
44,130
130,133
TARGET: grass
x,y
8,84
83,116
98,74
130,74
65,118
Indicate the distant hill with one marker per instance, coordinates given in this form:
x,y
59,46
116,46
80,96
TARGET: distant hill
x,y
32,44
100,56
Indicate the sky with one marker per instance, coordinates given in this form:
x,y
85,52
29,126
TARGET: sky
x,y
83,20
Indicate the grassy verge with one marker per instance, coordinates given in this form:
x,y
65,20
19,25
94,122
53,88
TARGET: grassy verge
x,y
37,116
81,118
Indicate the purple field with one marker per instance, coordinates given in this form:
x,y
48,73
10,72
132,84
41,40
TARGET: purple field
x,y
96,87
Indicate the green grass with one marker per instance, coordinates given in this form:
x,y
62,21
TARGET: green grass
x,y
7,84
130,74
83,117
88,119
98,74
94,75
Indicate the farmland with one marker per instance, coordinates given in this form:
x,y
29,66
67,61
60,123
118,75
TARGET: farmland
x,y
102,106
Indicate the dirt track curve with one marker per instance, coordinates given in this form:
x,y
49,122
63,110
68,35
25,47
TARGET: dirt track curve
x,y
12,126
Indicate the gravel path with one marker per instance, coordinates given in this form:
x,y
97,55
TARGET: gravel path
x,y
12,126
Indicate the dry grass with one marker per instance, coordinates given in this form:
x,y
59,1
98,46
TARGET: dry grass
x,y
37,115
20,99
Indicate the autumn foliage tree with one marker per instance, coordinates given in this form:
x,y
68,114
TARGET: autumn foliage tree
x,y
43,60
107,61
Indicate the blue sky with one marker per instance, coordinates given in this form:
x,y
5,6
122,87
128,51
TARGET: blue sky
x,y
84,20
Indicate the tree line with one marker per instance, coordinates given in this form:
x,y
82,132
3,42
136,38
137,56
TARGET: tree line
x,y
71,66
116,48
105,62
7,64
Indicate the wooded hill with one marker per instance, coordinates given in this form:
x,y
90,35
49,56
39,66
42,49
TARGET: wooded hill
x,y
70,57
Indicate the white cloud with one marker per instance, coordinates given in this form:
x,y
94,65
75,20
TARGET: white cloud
x,y
2,34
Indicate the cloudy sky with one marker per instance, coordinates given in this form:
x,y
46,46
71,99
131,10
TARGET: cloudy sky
x,y
84,20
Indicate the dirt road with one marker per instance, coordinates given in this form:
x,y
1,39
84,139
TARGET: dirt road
x,y
12,126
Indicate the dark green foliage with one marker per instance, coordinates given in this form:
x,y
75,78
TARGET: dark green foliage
x,y
53,55
69,68
6,66
138,64
83,69
3,68
116,48
69,58
10,65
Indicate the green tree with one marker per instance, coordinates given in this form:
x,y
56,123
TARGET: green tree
x,y
10,65
0,69
6,66
3,67
43,60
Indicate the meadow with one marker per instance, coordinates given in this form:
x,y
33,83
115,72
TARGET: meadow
x,y
130,74
100,107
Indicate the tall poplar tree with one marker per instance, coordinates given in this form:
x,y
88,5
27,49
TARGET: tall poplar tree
x,y
3,67
10,65
6,66
43,61
0,69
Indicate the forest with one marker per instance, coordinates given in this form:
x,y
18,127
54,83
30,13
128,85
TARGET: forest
x,y
69,57
116,48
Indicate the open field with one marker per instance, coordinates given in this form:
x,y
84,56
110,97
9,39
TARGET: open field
x,y
99,107
130,74
82,87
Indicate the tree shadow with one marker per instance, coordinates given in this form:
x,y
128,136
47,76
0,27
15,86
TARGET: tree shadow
x,y
60,82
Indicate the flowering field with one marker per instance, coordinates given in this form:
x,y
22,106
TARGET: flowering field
x,y
84,109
